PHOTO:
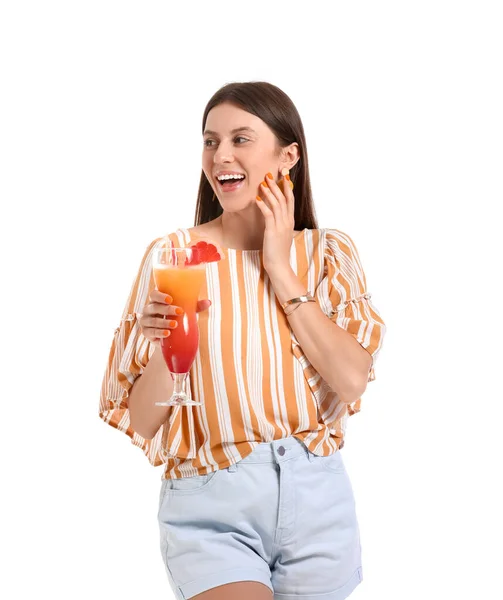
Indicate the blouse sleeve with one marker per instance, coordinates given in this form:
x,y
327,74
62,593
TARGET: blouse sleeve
x,y
344,297
129,355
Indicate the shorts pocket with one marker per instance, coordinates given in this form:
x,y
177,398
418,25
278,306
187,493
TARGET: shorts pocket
x,y
332,463
190,485
335,463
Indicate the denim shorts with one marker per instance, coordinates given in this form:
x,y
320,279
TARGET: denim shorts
x,y
282,516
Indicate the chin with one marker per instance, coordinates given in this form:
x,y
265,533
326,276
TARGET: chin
x,y
237,206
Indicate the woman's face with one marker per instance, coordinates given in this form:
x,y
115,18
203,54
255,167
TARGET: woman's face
x,y
251,152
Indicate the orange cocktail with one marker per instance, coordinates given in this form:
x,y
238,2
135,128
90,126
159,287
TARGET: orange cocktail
x,y
180,272
184,286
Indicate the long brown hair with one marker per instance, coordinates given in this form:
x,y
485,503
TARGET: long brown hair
x,y
275,108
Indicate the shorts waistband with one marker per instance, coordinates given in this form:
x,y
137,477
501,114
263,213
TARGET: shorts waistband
x,y
276,451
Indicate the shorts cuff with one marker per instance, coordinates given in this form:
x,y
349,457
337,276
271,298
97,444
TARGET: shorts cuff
x,y
338,594
203,584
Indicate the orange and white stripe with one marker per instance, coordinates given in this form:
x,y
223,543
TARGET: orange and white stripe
x,y
251,374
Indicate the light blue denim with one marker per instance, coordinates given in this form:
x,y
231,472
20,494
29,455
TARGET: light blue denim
x,y
282,516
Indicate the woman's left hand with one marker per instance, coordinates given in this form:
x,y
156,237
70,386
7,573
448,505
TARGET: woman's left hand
x,y
278,208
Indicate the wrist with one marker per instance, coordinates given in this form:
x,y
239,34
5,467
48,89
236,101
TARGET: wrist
x,y
287,285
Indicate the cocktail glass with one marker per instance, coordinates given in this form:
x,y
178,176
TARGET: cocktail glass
x,y
182,281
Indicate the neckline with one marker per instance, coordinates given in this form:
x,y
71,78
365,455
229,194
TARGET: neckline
x,y
237,250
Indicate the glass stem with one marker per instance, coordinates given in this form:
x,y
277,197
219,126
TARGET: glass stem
x,y
179,379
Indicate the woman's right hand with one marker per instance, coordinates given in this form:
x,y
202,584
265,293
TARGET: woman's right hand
x,y
153,321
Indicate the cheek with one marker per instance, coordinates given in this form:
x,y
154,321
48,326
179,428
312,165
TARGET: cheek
x,y
257,173
207,173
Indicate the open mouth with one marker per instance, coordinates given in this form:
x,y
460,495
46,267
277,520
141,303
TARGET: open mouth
x,y
230,185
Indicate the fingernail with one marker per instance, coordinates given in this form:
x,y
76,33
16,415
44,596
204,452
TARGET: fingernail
x,y
264,184
287,177
258,198
172,323
179,311
166,333
168,299
291,184
270,176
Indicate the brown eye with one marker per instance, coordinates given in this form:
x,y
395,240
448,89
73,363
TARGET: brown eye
x,y
239,137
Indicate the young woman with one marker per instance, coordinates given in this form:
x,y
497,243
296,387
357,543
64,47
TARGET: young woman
x,y
255,500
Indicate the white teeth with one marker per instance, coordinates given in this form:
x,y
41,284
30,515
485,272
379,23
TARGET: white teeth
x,y
225,177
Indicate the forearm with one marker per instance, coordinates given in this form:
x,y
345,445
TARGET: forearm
x,y
334,353
154,385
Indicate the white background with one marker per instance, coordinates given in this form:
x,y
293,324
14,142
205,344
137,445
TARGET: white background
x,y
100,141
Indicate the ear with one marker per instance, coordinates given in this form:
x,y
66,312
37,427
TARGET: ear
x,y
290,155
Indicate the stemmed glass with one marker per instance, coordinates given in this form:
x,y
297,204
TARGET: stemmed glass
x,y
174,275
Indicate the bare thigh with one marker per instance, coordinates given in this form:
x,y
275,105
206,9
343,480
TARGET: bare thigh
x,y
242,590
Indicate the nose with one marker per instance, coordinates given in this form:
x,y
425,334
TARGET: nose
x,y
224,153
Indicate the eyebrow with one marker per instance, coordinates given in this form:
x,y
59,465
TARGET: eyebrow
x,y
208,131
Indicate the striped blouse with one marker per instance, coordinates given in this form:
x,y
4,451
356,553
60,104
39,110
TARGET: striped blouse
x,y
251,374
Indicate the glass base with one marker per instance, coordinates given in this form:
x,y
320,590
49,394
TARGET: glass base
x,y
179,402
179,397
